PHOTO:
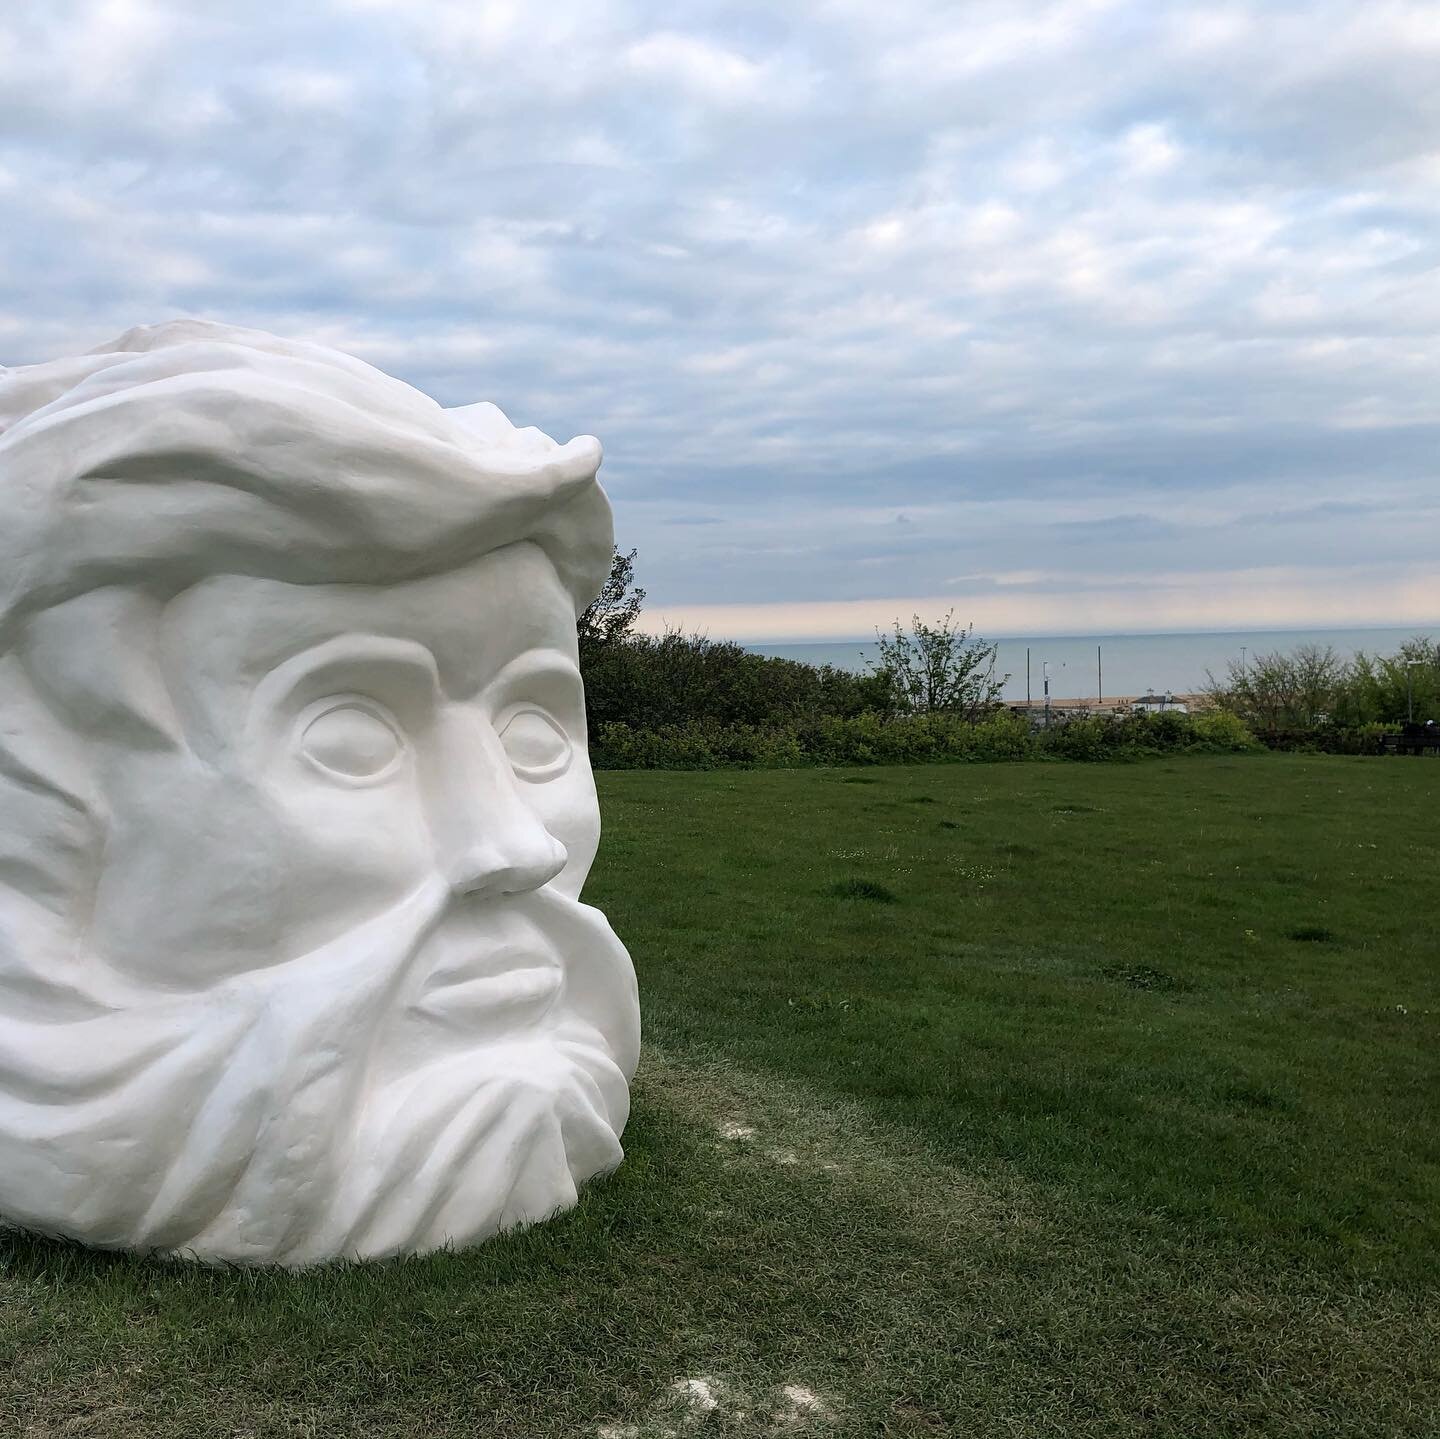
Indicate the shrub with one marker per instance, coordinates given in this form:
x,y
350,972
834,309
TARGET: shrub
x,y
908,739
1357,739
1221,732
1082,739
937,668
655,681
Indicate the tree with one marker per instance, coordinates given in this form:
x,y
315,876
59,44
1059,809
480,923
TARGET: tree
x,y
611,616
1307,687
650,681
1312,687
1392,687
940,667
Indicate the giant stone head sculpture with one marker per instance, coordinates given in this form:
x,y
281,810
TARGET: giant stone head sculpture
x,y
295,809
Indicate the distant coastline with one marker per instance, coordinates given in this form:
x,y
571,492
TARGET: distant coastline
x,y
1130,663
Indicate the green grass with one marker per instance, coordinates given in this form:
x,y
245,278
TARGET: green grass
x,y
1123,1120
862,889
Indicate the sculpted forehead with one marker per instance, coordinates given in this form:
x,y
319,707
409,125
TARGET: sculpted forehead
x,y
233,630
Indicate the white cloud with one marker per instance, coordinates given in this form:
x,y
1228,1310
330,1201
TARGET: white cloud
x,y
695,66
1040,274
302,87
1149,151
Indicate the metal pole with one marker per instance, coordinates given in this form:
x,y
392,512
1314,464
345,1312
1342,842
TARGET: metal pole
x,y
1027,677
1410,667
1046,668
1099,680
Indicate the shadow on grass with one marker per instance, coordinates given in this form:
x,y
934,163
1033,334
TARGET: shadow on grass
x,y
862,889
1142,976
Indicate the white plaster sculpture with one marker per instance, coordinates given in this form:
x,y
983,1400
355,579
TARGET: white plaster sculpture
x,y
295,809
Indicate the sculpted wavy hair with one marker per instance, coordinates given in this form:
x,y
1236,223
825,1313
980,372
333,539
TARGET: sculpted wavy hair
x,y
187,449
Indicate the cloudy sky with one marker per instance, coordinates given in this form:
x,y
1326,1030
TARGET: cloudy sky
x,y
1102,315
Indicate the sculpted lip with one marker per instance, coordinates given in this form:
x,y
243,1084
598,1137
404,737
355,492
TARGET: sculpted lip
x,y
515,987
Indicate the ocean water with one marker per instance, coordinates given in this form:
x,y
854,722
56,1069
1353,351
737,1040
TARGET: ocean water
x,y
1131,664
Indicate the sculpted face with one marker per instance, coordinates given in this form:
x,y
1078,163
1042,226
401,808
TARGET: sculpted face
x,y
347,747
318,982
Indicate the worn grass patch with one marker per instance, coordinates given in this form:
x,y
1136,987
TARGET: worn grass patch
x,y
914,1171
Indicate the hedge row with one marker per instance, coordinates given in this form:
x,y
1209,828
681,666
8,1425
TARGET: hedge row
x,y
930,738
1332,739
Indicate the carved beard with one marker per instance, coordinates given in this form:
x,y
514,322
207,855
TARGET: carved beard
x,y
299,1113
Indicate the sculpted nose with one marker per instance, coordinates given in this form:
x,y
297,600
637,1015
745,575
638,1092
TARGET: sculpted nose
x,y
491,840
512,866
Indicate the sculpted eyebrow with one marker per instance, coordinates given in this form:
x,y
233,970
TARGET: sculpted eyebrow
x,y
536,665
346,662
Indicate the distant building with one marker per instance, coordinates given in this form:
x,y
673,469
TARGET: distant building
x,y
1158,704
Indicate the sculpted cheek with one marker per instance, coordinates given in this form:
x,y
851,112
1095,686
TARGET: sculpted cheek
x,y
347,861
192,864
569,809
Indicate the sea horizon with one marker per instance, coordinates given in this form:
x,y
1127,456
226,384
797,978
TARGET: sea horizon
x,y
1137,662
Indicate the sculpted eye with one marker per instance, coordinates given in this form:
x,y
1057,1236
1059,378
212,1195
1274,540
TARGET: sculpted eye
x,y
351,740
536,745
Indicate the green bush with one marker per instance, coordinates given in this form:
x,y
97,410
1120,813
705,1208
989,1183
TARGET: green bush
x,y
659,681
1220,731
695,746
1329,739
910,739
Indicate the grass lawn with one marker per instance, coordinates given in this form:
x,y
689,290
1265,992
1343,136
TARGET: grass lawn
x,y
992,1100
